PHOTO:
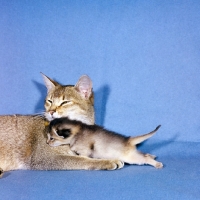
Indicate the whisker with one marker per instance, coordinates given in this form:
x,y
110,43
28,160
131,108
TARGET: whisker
x,y
39,115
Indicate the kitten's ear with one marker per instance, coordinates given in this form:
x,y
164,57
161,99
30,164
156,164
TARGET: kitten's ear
x,y
84,86
50,84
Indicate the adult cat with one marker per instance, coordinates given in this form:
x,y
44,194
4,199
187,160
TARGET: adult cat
x,y
23,137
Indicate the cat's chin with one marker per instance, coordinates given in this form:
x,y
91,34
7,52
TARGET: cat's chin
x,y
50,117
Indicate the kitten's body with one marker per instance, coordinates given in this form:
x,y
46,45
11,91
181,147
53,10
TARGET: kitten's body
x,y
95,142
23,137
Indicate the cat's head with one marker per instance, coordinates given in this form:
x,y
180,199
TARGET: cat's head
x,y
73,101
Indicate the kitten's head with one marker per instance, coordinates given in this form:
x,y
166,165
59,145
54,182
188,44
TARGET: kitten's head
x,y
54,139
61,131
75,102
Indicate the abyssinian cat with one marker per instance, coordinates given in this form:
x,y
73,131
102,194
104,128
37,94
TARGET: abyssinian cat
x,y
96,142
23,137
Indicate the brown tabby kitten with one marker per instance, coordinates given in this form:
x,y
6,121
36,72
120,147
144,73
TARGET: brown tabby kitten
x,y
96,142
28,148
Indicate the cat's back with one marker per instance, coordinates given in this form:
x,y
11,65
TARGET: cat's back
x,y
12,126
100,136
17,136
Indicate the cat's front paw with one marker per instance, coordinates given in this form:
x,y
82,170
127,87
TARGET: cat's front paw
x,y
114,164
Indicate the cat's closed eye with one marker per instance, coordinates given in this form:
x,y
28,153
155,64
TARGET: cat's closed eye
x,y
65,102
49,101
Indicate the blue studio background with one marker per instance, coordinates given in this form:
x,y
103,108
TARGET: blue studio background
x,y
144,60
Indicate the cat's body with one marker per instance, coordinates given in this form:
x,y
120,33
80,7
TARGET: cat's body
x,y
23,137
96,142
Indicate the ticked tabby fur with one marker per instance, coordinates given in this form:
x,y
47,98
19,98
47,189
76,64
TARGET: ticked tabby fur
x,y
23,137
96,142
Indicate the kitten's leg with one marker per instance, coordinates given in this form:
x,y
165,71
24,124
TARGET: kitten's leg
x,y
62,162
150,155
141,159
150,160
70,152
1,173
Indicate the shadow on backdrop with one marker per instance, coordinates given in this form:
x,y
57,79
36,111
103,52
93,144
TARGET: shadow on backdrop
x,y
148,146
39,107
100,101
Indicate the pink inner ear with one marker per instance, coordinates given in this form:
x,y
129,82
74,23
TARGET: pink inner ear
x,y
84,86
85,92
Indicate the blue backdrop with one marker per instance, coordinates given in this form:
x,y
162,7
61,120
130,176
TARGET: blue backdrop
x,y
142,56
144,60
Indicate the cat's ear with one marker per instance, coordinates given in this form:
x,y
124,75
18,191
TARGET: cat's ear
x,y
84,86
50,84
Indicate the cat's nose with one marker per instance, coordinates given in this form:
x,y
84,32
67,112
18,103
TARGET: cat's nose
x,y
51,112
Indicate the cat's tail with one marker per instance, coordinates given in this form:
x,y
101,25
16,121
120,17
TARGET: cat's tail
x,y
141,138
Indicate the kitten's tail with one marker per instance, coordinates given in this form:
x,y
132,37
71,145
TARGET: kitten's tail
x,y
141,138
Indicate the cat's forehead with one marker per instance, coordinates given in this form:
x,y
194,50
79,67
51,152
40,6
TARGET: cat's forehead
x,y
63,92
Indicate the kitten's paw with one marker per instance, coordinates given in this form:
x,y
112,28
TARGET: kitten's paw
x,y
150,155
71,153
159,165
1,172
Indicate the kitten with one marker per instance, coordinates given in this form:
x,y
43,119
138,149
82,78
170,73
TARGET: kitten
x,y
96,142
28,148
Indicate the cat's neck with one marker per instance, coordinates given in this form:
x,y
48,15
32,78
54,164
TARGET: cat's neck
x,y
86,118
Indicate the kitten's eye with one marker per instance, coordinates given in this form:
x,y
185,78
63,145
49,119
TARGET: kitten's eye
x,y
51,139
64,102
